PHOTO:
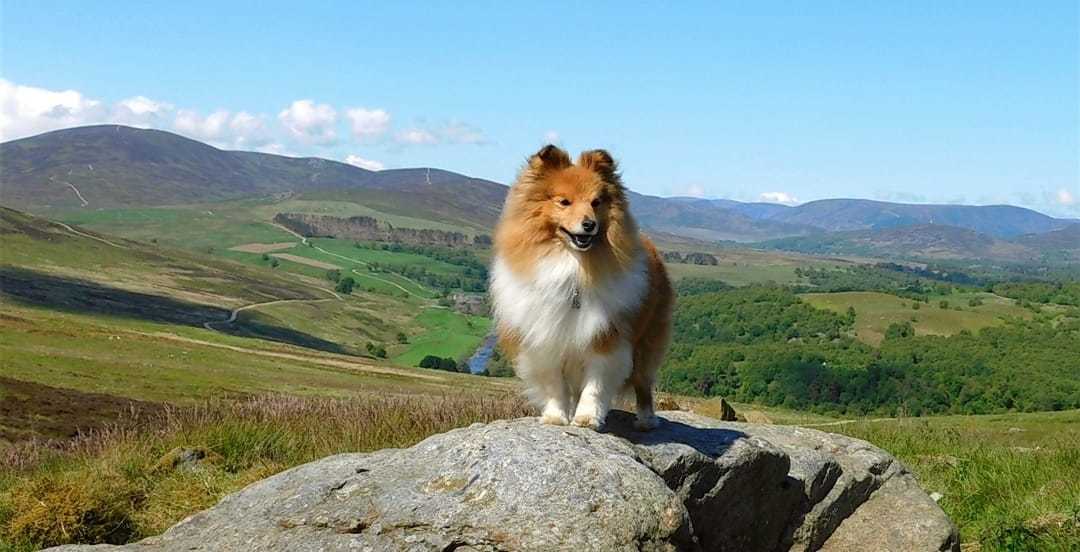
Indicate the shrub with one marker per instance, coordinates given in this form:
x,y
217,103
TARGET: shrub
x,y
345,285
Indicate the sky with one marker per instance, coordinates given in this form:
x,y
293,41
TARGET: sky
x,y
944,102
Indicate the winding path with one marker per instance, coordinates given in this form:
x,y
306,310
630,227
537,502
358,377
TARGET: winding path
x,y
304,241
236,312
85,235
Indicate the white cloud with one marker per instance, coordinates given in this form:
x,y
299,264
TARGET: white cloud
x,y
1065,197
551,137
140,111
694,190
357,161
28,110
141,105
240,130
458,132
310,122
368,124
416,136
778,197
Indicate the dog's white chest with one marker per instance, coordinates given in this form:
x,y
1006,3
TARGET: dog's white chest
x,y
553,310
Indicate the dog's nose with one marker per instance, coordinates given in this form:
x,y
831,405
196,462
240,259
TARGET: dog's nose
x,y
588,225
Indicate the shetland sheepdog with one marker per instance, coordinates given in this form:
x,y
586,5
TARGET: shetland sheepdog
x,y
581,300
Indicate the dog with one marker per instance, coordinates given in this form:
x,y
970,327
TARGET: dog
x,y
581,300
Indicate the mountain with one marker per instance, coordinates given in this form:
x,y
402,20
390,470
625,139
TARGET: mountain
x,y
928,241
707,219
109,166
118,166
1002,221
1061,244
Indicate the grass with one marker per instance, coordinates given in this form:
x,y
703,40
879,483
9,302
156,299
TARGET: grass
x,y
444,333
162,362
350,209
874,312
744,266
1010,482
120,485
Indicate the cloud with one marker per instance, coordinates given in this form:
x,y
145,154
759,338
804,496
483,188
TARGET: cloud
x,y
310,122
140,111
416,137
368,124
551,137
240,130
694,190
455,132
1065,197
458,132
778,197
357,161
28,110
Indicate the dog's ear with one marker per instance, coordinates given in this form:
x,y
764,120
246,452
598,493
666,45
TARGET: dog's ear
x,y
549,157
600,162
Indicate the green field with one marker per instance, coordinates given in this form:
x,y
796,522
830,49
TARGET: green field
x,y
742,267
445,334
875,311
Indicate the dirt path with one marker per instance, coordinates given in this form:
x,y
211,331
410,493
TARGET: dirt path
x,y
342,362
236,312
304,241
73,188
85,235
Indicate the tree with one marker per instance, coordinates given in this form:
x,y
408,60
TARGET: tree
x,y
944,304
333,275
345,285
899,329
274,263
402,338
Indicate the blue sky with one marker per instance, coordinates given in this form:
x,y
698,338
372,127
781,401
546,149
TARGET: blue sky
x,y
918,102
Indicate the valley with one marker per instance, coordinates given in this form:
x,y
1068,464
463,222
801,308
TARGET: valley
x,y
166,306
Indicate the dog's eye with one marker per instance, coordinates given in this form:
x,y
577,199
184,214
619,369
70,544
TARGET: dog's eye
x,y
596,202
564,202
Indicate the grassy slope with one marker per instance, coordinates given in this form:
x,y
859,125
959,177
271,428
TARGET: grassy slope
x,y
445,334
875,311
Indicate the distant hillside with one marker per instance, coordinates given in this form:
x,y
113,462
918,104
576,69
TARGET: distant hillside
x,y
118,166
1002,221
931,241
111,166
1061,244
708,219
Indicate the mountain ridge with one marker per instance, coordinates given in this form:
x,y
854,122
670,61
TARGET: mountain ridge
x,y
108,166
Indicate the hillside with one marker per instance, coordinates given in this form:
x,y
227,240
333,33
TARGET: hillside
x,y
1061,244
1002,221
110,166
929,241
119,166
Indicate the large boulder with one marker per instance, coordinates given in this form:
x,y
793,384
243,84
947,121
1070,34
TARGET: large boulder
x,y
692,484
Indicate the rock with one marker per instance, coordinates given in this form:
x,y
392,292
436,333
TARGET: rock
x,y
184,459
727,412
692,484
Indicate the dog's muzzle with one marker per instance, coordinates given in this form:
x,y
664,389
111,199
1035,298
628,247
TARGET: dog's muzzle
x,y
581,242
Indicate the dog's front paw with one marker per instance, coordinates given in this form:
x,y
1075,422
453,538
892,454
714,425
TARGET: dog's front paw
x,y
553,418
590,421
646,423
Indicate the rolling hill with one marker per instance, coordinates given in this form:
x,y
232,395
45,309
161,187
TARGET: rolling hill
x,y
1002,221
928,241
110,166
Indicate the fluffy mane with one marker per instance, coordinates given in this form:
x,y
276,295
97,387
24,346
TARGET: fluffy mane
x,y
526,232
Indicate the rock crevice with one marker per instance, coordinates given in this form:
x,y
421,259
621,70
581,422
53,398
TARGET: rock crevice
x,y
693,484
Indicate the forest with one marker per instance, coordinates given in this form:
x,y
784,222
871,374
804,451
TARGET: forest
x,y
764,344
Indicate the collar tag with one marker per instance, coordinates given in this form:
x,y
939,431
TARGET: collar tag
x,y
575,300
